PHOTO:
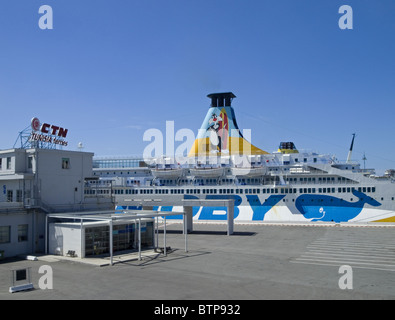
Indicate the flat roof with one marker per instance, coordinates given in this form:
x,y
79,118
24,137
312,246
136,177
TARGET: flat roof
x,y
113,215
97,223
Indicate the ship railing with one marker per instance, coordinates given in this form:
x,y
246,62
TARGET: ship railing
x,y
100,184
365,171
350,162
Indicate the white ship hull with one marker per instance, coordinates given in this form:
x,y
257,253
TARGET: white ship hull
x,y
299,207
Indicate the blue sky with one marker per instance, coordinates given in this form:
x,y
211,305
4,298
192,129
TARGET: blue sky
x,y
109,70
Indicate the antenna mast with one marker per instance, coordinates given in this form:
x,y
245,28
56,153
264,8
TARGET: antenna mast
x,y
351,147
364,159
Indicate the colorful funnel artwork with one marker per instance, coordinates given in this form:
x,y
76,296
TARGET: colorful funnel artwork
x,y
219,133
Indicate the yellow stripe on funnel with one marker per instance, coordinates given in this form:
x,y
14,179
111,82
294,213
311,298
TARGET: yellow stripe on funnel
x,y
236,146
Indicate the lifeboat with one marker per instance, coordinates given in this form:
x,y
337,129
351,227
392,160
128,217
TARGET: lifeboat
x,y
167,172
207,171
249,171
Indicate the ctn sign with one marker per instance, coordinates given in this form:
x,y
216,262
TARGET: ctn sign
x,y
46,128
47,131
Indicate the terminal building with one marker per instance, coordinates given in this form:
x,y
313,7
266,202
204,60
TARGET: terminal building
x,y
37,178
89,235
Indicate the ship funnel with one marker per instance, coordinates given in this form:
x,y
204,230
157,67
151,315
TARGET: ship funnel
x,y
221,99
219,133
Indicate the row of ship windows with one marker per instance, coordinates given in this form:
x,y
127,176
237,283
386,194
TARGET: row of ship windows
x,y
256,180
236,191
241,180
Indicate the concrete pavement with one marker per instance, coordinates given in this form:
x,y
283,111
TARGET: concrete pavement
x,y
258,262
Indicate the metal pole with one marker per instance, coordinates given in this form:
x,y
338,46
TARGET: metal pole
x,y
82,255
139,239
46,234
34,236
111,245
230,207
157,232
164,239
185,232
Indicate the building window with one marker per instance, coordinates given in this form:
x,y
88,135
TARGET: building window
x,y
5,234
18,195
9,195
1,160
65,163
22,232
30,162
8,163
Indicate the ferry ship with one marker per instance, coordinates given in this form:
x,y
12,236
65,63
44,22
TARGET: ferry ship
x,y
287,185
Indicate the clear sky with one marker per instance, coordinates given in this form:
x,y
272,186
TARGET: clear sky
x,y
109,70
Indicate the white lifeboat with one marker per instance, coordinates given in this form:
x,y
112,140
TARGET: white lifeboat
x,y
167,172
250,171
207,171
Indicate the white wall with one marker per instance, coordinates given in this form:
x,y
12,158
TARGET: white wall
x,y
64,237
14,247
59,189
59,186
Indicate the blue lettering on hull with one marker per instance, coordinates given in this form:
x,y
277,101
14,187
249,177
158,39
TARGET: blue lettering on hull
x,y
208,213
120,209
260,209
195,210
314,207
211,213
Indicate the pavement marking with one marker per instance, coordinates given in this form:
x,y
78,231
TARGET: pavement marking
x,y
351,249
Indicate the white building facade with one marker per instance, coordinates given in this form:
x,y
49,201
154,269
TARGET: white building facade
x,y
35,182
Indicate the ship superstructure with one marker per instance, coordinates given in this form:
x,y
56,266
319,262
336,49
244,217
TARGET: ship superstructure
x,y
287,185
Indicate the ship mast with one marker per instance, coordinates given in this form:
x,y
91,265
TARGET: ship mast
x,y
351,147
